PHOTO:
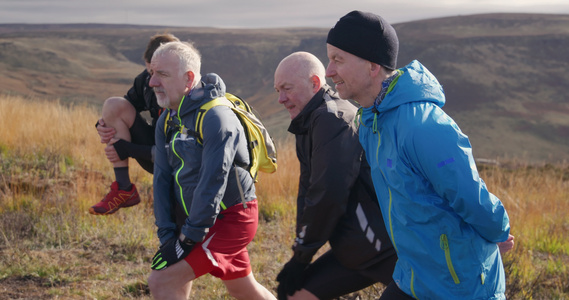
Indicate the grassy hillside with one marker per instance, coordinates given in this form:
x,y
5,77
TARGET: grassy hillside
x,y
505,78
52,248
504,75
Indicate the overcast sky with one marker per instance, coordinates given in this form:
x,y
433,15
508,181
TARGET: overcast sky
x,y
253,13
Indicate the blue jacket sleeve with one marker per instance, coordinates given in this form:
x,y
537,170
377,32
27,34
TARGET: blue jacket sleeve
x,y
163,203
443,154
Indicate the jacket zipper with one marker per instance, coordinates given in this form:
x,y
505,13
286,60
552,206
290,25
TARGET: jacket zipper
x,y
178,173
445,247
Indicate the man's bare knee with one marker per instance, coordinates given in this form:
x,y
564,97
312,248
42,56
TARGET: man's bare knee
x,y
241,287
247,288
154,282
118,109
159,288
238,293
115,102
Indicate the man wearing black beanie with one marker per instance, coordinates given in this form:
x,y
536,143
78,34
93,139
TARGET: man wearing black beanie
x,y
368,36
447,228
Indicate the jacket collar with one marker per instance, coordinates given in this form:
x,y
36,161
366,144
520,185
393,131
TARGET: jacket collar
x,y
301,123
210,87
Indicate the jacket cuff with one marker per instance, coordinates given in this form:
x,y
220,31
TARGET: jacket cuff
x,y
302,256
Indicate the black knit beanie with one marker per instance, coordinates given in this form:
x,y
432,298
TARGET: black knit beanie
x,y
368,36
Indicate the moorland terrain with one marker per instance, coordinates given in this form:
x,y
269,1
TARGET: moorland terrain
x,y
505,75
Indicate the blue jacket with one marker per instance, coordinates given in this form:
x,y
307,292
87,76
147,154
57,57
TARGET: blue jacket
x,y
199,176
443,222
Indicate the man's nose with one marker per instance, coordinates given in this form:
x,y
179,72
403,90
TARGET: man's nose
x,y
330,70
152,82
282,97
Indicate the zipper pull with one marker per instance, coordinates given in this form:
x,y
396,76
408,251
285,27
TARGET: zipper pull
x,y
444,242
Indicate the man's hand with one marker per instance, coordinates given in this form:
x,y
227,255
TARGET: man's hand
x,y
106,133
111,152
170,253
290,278
507,245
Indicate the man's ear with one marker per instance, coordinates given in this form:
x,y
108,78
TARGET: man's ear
x,y
316,84
375,69
191,77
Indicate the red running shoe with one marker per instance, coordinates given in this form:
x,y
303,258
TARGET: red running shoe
x,y
116,199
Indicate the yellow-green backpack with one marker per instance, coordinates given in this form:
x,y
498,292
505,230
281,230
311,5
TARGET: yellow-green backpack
x,y
262,149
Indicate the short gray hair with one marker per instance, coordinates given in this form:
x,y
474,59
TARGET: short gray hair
x,y
189,57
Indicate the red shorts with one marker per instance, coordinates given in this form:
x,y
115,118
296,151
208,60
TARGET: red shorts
x,y
223,253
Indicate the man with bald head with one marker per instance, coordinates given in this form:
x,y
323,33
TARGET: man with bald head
x,y
336,200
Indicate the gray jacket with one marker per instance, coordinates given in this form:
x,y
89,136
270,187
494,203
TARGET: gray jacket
x,y
199,176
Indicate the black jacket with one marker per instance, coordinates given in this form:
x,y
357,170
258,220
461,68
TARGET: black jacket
x,y
336,199
142,97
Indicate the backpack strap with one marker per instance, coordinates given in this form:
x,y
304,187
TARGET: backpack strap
x,y
170,127
199,130
201,114
238,102
166,122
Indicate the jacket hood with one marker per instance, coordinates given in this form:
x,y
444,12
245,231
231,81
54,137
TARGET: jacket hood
x,y
210,87
414,84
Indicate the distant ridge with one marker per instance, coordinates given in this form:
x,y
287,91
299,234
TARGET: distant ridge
x,y
505,75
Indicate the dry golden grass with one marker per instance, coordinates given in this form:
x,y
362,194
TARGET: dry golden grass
x,y
537,201
35,126
52,168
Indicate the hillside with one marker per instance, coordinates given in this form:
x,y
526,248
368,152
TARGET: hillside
x,y
504,75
